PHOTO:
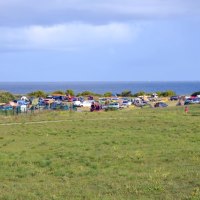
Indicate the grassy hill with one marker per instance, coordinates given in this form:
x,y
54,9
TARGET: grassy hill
x,y
127,154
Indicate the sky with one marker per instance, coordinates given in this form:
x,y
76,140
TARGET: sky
x,y
101,40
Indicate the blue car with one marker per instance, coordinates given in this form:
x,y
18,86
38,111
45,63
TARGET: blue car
x,y
6,108
160,105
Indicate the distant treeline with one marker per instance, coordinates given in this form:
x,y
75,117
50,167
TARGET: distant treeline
x,y
125,93
7,96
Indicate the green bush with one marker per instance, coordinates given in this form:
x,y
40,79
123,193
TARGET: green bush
x,y
70,92
108,94
58,92
88,93
5,97
141,93
195,93
168,93
38,93
126,93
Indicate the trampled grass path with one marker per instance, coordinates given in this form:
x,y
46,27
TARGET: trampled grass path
x,y
57,121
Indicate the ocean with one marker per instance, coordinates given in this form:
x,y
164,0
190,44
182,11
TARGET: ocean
x,y
181,88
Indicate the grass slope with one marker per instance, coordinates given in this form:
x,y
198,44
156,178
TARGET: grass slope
x,y
130,154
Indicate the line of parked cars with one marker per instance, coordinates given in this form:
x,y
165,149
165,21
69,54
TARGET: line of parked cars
x,y
186,100
195,100
63,102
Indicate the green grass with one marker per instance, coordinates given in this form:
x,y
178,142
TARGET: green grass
x,y
127,154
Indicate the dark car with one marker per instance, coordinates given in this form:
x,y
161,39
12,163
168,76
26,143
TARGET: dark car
x,y
160,105
174,98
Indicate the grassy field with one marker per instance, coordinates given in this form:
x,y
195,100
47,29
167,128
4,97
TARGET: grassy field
x,y
127,154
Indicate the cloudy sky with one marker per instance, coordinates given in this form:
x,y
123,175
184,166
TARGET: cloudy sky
x,y
101,40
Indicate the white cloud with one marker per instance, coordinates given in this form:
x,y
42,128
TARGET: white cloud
x,y
66,36
48,12
71,24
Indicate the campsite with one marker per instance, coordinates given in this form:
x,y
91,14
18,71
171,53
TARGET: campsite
x,y
99,100
128,153
86,101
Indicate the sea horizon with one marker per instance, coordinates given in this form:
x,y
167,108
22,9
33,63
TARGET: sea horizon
x,y
180,87
90,81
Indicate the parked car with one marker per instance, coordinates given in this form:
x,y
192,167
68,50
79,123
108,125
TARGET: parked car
x,y
59,98
87,103
125,104
188,101
6,107
196,100
192,101
114,99
139,102
78,103
112,105
174,98
160,105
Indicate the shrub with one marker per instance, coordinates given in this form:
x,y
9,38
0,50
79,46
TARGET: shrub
x,y
168,93
108,94
38,93
88,93
141,93
58,92
70,92
6,96
195,93
159,93
126,93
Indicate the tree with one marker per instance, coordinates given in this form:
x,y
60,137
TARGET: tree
x,y
85,93
159,93
38,93
126,93
88,93
58,92
5,97
141,93
108,94
195,93
168,93
70,92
